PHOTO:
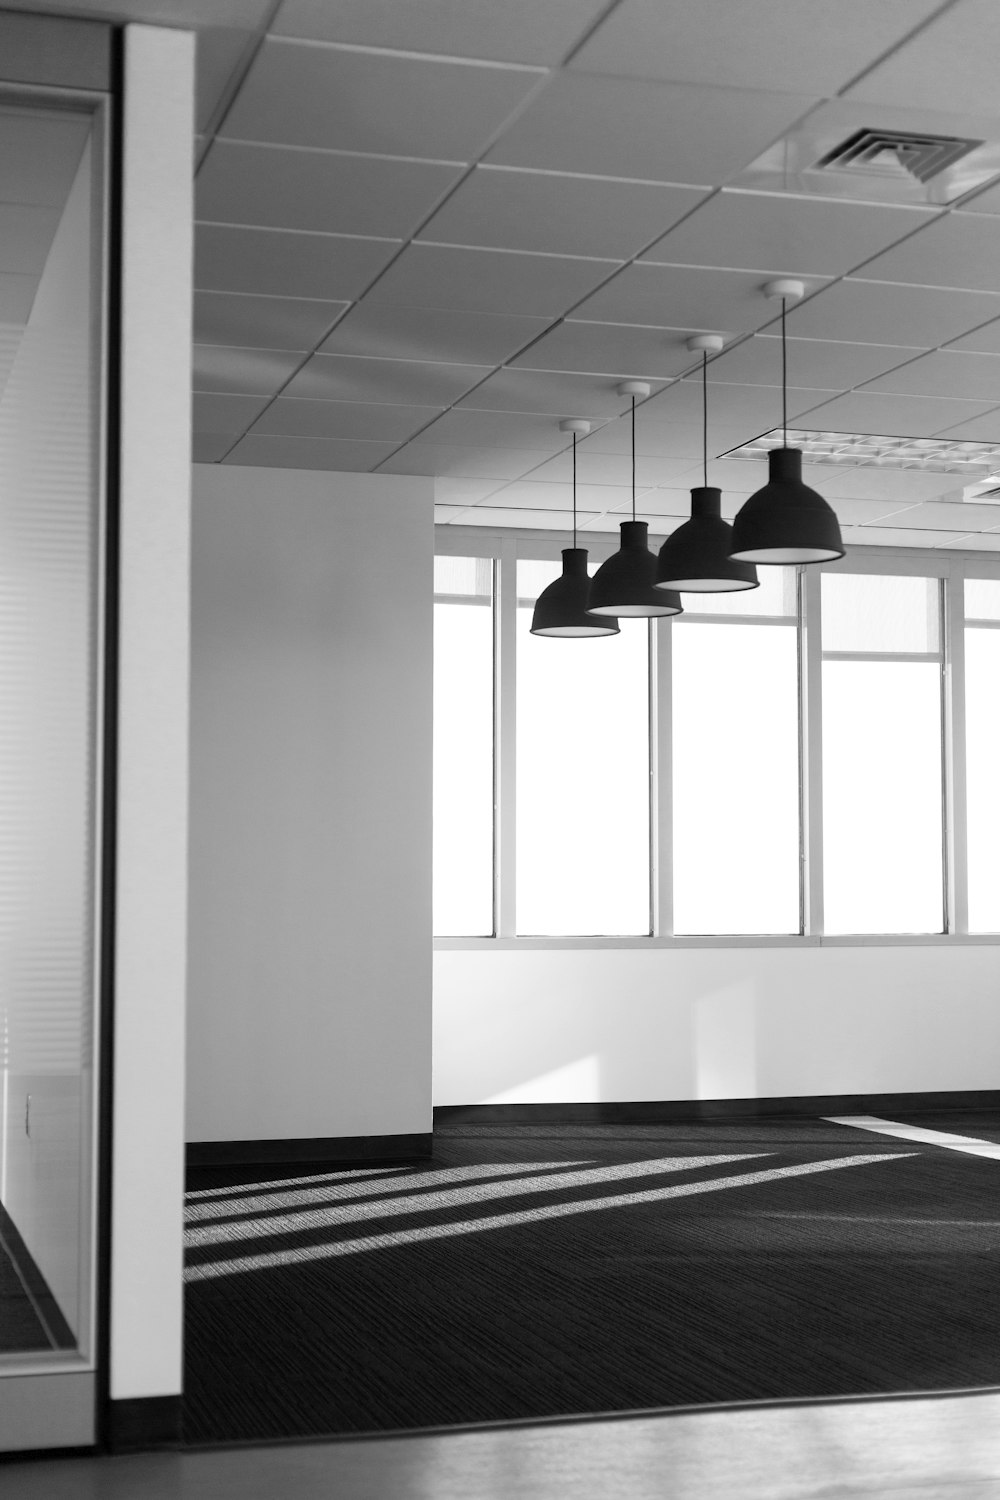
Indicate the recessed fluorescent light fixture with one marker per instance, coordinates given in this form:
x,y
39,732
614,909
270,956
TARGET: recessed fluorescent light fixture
x,y
977,463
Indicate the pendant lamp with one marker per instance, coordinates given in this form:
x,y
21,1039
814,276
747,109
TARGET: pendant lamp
x,y
695,558
786,522
625,585
561,609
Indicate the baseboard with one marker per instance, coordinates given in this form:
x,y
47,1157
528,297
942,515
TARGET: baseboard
x,y
668,1111
143,1422
346,1150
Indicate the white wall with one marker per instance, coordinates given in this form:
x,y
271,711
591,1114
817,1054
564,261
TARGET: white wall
x,y
562,1025
310,954
147,1199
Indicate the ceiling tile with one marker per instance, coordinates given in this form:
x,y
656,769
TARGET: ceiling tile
x,y
366,421
892,536
661,502
946,372
210,447
896,416
241,371
986,202
897,487
524,31
305,94
948,63
784,235
429,333
309,453
750,474
498,429
955,250
984,429
222,414
464,491
557,393
851,512
279,188
336,377
613,469
985,340
811,362
985,541
612,349
262,322
872,312
951,517
558,214
323,267
660,527
446,515
681,297
536,495
752,408
816,45
494,281
542,520
661,132
220,51
464,462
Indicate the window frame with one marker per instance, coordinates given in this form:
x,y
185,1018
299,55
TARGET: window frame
x,y
950,567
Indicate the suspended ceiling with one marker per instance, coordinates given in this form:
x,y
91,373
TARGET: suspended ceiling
x,y
429,229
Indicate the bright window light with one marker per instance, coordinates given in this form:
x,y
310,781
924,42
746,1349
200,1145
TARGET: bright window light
x,y
982,736
582,776
735,777
463,747
882,852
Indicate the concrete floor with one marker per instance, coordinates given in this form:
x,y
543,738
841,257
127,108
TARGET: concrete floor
x,y
917,1448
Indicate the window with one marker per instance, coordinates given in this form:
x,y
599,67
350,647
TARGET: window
x,y
582,775
882,730
463,746
982,736
735,732
767,765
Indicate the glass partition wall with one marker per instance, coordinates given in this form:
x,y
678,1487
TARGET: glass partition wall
x,y
52,215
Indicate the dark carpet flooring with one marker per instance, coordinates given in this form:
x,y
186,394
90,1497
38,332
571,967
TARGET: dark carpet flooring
x,y
540,1271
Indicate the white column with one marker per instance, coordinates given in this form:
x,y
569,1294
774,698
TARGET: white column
x,y
150,945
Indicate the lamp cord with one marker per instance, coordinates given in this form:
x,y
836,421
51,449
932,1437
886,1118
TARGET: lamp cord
x,y
784,380
704,413
633,458
574,492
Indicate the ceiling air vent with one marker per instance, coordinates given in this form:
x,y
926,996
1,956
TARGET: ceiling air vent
x,y
896,153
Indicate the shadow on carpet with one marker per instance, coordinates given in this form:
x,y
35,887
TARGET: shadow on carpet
x,y
530,1272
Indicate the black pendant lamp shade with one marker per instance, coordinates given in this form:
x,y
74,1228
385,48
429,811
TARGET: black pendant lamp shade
x,y
625,586
695,558
786,522
561,609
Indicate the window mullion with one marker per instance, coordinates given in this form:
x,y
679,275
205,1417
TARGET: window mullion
x,y
811,750
661,765
505,749
955,802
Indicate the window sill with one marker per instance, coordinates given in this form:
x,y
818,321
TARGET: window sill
x,y
786,940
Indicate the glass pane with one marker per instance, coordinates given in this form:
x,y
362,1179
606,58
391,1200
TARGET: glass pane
x,y
464,578
882,855
982,599
463,750
872,612
582,778
736,822
775,596
982,735
50,526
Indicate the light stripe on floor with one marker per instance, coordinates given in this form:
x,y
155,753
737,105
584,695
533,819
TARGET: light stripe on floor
x,y
970,1144
294,1255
